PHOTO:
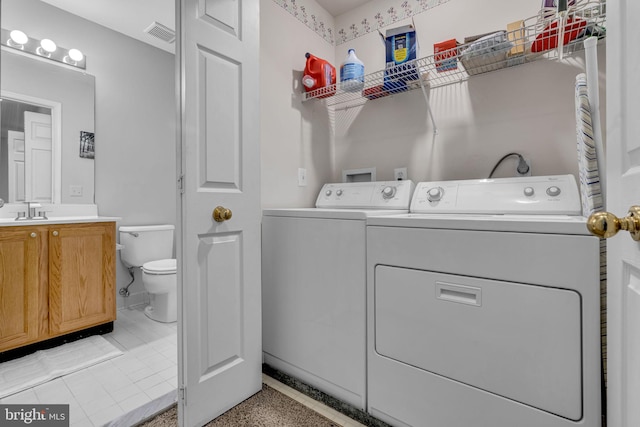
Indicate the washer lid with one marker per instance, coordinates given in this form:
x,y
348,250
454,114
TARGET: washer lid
x,y
160,266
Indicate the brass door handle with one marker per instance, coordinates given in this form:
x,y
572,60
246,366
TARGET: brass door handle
x,y
221,214
606,224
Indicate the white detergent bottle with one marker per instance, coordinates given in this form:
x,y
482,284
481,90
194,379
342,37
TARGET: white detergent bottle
x,y
352,73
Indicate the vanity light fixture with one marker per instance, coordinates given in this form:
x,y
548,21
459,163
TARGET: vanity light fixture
x,y
45,48
17,39
73,57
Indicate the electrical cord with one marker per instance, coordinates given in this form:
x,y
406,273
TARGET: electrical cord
x,y
522,168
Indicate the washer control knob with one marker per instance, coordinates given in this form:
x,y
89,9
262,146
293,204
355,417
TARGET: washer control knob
x,y
338,192
327,193
553,191
528,191
388,192
435,194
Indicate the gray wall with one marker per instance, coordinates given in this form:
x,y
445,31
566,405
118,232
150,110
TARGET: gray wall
x,y
135,114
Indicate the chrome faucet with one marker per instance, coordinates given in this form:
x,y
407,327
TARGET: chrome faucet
x,y
31,212
31,209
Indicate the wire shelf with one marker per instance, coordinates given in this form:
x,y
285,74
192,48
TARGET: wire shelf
x,y
534,39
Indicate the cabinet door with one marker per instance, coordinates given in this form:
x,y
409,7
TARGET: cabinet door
x,y
81,276
20,253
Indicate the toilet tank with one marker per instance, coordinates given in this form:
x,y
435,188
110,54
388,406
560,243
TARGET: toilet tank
x,y
143,243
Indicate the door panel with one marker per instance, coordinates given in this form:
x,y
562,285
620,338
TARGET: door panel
x,y
222,302
219,149
16,166
219,336
38,157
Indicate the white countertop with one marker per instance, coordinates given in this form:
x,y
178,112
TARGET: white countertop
x,y
11,222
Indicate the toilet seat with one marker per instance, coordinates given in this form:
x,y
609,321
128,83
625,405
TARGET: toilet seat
x,y
160,267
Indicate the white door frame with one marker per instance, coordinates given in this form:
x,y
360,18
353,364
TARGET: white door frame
x,y
623,191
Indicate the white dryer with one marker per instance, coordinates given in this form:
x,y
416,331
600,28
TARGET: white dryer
x,y
484,307
314,283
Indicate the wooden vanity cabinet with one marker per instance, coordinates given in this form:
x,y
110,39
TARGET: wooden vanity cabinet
x,y
54,280
81,276
21,311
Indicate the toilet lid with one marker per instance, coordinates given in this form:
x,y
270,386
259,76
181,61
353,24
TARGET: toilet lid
x,y
161,266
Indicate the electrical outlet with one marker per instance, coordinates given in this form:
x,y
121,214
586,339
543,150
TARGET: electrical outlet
x,y
400,174
302,177
75,190
528,161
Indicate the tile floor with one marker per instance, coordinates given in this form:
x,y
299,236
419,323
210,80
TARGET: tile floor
x,y
106,392
145,376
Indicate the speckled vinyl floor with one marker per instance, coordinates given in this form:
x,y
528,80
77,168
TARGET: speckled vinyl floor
x,y
275,406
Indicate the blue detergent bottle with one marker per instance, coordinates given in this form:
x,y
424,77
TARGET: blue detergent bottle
x,y
352,73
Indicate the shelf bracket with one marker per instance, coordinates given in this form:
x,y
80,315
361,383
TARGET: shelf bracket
x,y
429,111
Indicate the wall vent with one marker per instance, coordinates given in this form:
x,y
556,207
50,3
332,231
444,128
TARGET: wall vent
x,y
161,32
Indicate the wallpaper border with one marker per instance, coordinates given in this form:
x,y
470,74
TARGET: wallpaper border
x,y
307,12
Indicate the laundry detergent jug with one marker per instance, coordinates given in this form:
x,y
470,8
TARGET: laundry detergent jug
x,y
352,73
319,74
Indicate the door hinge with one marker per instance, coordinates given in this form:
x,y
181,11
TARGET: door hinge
x,y
181,183
182,395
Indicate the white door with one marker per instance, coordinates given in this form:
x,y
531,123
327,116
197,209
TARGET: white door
x,y
220,348
38,157
623,190
16,166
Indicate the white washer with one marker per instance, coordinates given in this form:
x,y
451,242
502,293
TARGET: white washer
x,y
485,319
314,282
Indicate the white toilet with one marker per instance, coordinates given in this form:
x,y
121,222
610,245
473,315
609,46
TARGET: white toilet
x,y
150,247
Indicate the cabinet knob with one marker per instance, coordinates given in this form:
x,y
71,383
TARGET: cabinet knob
x,y
55,234
33,234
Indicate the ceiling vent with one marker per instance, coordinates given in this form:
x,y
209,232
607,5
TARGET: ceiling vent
x,y
161,32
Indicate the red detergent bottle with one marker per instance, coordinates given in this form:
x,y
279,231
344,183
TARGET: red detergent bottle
x,y
319,74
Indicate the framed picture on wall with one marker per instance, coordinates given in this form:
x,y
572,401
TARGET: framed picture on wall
x,y
87,145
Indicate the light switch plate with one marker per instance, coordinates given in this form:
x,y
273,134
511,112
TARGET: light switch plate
x,y
302,177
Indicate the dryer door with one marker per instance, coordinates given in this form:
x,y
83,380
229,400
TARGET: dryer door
x,y
518,341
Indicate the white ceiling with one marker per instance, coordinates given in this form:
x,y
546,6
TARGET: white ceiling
x,y
132,17
338,7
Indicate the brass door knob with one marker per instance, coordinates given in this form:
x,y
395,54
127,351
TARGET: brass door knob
x,y
221,214
606,224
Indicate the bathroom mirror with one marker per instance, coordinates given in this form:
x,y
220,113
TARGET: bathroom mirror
x,y
46,131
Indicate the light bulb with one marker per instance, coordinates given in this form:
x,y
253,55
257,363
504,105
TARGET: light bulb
x,y
48,45
18,37
76,55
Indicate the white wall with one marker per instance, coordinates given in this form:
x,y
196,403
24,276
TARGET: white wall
x,y
293,134
528,109
135,115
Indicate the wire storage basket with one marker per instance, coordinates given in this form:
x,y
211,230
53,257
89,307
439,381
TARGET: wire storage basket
x,y
547,35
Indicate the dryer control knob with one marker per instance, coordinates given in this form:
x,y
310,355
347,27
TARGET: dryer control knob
x,y
435,194
388,192
327,193
528,191
553,191
339,193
